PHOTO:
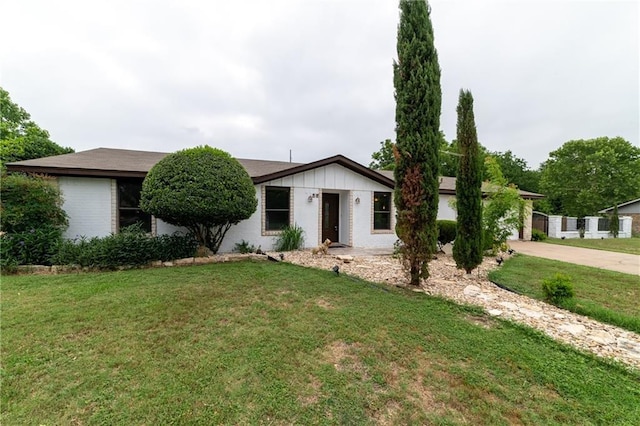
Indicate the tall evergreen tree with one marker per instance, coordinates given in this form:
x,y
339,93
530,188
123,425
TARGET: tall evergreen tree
x,y
416,77
467,250
614,227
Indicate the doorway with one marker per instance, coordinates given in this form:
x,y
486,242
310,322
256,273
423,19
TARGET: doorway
x,y
330,217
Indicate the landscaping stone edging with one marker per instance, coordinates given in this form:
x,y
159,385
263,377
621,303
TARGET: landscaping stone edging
x,y
66,269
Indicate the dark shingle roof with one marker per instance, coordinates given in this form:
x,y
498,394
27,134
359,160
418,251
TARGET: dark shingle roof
x,y
122,163
448,186
108,162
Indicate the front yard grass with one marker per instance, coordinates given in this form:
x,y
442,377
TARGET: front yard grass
x,y
262,342
606,296
620,245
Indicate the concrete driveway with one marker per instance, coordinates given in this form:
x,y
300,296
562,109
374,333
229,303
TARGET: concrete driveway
x,y
620,262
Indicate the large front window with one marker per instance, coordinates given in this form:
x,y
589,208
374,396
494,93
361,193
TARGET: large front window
x,y
276,208
382,211
129,212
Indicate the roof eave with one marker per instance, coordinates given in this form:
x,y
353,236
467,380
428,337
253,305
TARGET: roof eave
x,y
70,171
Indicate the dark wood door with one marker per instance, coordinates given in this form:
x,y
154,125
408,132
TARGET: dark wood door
x,y
330,212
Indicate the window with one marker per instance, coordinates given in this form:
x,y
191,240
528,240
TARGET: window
x,y
276,208
129,211
382,211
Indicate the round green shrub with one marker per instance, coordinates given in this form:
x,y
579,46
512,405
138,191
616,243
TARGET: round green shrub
x,y
446,231
538,235
558,290
202,189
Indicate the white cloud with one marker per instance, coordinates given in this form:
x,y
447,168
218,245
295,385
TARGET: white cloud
x,y
259,78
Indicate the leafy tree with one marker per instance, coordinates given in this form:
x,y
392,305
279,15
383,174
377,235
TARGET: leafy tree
x,y
202,189
21,138
467,250
449,158
516,171
383,159
503,209
584,176
418,95
614,227
32,219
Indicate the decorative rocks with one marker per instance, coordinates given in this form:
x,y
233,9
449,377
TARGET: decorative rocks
x,y
574,329
447,281
472,290
602,337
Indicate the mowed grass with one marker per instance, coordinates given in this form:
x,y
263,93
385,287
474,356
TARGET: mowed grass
x,y
258,342
606,296
620,245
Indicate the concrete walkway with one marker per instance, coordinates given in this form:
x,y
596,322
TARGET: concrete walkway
x,y
620,262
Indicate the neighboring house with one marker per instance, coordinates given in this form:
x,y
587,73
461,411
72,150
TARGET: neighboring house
x,y
631,209
333,198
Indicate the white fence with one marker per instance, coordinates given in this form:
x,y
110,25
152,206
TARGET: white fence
x,y
572,225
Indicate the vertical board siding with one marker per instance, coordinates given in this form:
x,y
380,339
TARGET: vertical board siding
x,y
88,203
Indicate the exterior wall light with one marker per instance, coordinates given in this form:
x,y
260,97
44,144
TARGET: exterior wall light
x,y
357,200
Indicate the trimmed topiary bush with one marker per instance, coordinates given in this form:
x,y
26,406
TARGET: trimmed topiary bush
x,y
202,189
446,232
558,290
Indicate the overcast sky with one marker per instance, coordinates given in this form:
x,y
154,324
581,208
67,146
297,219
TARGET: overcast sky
x,y
260,78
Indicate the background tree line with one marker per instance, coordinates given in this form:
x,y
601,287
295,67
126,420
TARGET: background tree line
x,y
578,179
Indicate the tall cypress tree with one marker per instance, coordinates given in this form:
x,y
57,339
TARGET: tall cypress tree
x,y
416,77
614,227
467,250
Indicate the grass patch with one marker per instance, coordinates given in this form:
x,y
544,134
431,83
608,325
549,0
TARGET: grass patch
x,y
606,296
258,342
620,245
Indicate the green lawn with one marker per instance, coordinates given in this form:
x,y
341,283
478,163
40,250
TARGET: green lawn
x,y
621,245
262,342
607,296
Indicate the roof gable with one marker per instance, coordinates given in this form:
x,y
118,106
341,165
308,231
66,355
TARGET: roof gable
x,y
336,159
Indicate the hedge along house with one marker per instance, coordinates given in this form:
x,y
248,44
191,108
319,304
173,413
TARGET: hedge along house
x,y
334,198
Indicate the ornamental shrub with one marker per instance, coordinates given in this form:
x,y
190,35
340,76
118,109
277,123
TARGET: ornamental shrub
x,y
558,290
244,247
290,238
202,189
29,202
446,232
614,227
131,247
32,219
538,235
467,252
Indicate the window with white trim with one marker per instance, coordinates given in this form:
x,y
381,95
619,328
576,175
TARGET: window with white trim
x,y
382,211
277,207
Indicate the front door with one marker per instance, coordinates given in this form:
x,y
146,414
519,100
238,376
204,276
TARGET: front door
x,y
330,209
